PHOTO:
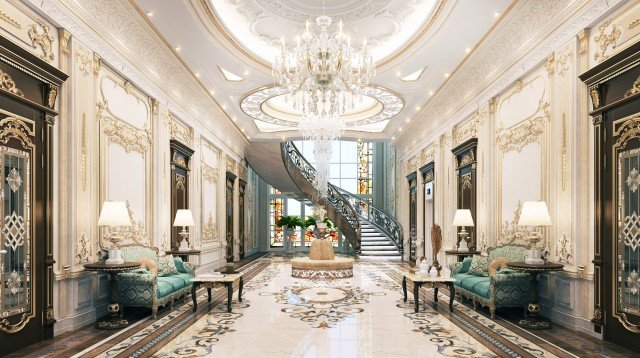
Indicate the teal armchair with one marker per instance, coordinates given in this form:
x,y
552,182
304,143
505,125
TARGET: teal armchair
x,y
505,288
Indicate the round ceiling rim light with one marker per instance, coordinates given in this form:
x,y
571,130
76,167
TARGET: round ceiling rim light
x,y
251,105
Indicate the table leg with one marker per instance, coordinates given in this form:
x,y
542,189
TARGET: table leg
x,y
452,294
209,294
194,287
113,320
435,294
229,295
533,321
240,289
416,299
404,287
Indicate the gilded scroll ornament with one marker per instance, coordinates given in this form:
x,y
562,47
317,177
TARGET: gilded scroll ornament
x,y
595,97
209,230
7,84
631,231
178,160
10,20
511,232
518,86
134,234
583,37
411,164
466,181
209,174
14,231
564,248
493,105
635,88
83,152
40,37
633,180
14,282
7,327
84,248
549,65
605,40
64,37
179,132
119,132
51,97
84,62
180,182
563,151
96,64
564,60
524,133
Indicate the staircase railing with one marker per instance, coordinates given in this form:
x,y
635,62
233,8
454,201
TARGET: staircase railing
x,y
377,217
339,208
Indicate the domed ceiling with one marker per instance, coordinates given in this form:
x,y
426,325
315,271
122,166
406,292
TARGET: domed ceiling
x,y
229,46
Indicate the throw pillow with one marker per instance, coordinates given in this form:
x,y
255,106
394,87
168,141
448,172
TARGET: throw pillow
x,y
166,266
149,265
497,264
479,266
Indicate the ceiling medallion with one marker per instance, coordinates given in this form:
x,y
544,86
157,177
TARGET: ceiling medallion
x,y
253,104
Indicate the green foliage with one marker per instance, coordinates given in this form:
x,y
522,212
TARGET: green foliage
x,y
310,223
290,221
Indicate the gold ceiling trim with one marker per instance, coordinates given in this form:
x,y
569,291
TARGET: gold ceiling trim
x,y
237,43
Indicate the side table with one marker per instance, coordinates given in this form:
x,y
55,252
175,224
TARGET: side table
x,y
534,321
461,254
210,281
113,321
183,255
433,282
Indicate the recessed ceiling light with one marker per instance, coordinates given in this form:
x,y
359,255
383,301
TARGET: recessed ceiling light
x,y
398,73
224,106
233,119
446,74
417,108
496,14
400,129
245,73
408,120
414,76
212,92
230,76
242,129
178,48
467,50
393,138
430,93
149,13
197,74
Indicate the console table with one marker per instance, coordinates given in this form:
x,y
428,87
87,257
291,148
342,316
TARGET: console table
x,y
428,281
113,321
183,255
461,254
534,321
210,281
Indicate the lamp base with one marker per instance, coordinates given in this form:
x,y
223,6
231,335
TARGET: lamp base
x,y
184,245
535,257
462,247
115,257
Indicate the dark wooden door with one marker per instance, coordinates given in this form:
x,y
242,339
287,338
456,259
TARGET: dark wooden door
x,y
241,215
413,214
180,160
229,213
466,171
26,257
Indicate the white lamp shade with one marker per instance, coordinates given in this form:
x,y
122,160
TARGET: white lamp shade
x,y
463,218
183,218
114,213
534,213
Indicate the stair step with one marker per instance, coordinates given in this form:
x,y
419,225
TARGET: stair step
x,y
377,243
380,248
379,253
395,257
365,234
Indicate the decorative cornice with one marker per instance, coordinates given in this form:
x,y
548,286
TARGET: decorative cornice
x,y
513,36
525,132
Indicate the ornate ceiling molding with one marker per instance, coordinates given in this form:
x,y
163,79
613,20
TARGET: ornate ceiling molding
x,y
147,58
251,105
469,87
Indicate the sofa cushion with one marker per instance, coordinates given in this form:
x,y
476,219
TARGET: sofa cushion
x,y
468,282
466,263
135,253
482,288
166,266
175,281
510,252
479,266
164,288
184,277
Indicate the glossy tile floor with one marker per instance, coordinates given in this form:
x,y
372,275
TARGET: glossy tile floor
x,y
281,316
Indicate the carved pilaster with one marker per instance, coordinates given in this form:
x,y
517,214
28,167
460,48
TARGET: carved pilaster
x,y
64,37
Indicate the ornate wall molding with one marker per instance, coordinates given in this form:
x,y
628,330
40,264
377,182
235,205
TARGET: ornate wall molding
x,y
604,40
549,64
84,248
41,38
525,132
563,151
583,38
209,174
564,248
511,232
10,20
179,131
83,152
7,84
566,57
84,61
64,37
122,133
210,230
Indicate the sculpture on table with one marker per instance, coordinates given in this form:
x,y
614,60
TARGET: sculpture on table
x,y
322,245
436,245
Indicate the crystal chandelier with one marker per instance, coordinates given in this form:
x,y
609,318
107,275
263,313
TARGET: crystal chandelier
x,y
323,74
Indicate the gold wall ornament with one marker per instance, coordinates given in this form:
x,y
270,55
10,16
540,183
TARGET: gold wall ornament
x,y
180,182
83,152
50,315
7,327
564,60
604,40
64,37
525,132
549,64
595,97
563,152
518,86
52,95
178,160
13,127
231,165
10,20
482,242
583,38
179,131
493,105
209,174
635,88
84,248
633,24
155,105
122,133
7,84
511,232
468,129
128,87
411,164
209,230
40,37
564,248
466,181
96,64
83,60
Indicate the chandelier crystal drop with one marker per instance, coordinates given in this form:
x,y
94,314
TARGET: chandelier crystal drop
x,y
323,74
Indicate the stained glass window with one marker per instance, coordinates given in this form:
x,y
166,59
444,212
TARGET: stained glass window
x,y
365,168
276,210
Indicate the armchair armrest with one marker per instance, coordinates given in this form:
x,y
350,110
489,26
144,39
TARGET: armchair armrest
x,y
136,277
136,289
511,278
185,267
511,289
455,267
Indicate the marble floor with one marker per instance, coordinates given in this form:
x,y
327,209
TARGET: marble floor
x,y
281,316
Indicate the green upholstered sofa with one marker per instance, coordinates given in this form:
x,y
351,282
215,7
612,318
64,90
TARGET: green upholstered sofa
x,y
141,287
506,288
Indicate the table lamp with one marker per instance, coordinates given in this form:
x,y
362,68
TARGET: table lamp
x,y
184,218
534,213
463,219
114,214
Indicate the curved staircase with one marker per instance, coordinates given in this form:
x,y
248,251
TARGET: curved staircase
x,y
375,243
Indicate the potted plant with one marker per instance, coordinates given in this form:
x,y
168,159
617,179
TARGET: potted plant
x,y
290,222
309,225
